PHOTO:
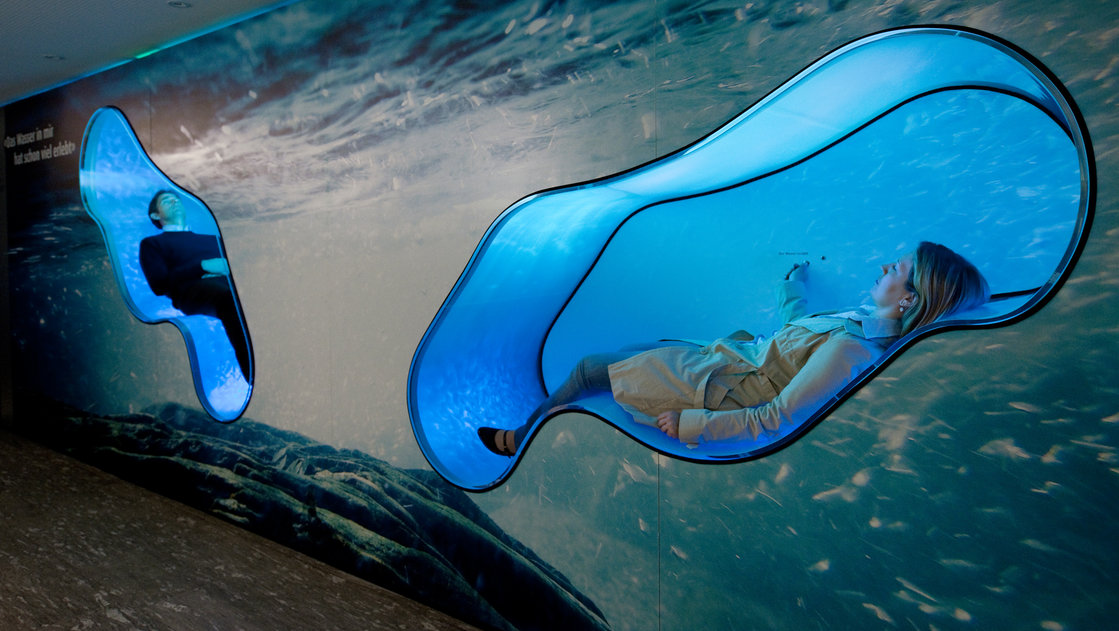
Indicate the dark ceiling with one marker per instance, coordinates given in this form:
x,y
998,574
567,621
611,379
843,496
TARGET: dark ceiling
x,y
45,43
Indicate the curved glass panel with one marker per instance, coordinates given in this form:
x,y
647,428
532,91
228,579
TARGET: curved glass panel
x,y
118,181
909,135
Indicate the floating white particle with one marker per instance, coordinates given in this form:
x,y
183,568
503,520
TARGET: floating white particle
x,y
1006,448
1053,455
879,612
783,472
862,478
534,26
1038,545
1025,407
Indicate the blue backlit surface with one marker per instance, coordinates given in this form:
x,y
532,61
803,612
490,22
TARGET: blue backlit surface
x,y
909,135
118,179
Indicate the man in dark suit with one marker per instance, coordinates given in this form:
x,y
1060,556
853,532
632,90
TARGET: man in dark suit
x,y
189,268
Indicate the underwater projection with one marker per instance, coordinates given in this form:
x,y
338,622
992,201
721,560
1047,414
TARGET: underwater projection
x,y
168,259
909,135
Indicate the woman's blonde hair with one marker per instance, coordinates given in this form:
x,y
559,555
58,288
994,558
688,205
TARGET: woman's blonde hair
x,y
943,283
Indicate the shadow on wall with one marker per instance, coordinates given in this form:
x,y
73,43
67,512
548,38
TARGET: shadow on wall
x,y
913,134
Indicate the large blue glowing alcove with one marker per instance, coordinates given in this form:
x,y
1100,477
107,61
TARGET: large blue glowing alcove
x,y
118,180
914,134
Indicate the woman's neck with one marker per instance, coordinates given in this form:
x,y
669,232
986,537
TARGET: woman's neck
x,y
888,313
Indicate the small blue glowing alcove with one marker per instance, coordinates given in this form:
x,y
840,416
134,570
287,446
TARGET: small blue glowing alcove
x,y
913,134
118,180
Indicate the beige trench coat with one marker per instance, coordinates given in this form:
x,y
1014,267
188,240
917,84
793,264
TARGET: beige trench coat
x,y
739,386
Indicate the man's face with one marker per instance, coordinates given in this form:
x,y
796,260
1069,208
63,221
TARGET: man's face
x,y
169,210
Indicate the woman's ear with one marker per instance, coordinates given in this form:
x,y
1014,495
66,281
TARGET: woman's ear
x,y
907,301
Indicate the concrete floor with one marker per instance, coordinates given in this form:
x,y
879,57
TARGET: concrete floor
x,y
81,549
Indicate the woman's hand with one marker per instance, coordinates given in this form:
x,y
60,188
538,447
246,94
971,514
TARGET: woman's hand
x,y
669,423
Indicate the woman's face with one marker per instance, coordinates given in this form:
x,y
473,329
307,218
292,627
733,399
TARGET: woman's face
x,y
890,289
